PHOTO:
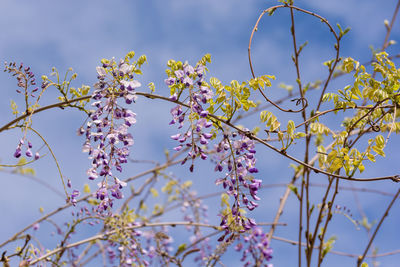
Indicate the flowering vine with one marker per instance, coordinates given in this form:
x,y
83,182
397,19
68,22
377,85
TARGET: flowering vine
x,y
235,153
186,77
238,157
26,80
106,132
257,247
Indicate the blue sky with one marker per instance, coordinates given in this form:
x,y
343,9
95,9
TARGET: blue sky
x,y
77,34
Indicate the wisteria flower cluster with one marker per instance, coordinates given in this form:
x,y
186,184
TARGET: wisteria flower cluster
x,y
186,77
129,252
26,80
133,247
194,210
257,248
28,151
107,137
237,157
236,152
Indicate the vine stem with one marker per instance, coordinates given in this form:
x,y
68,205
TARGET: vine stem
x,y
395,178
27,114
340,253
15,236
389,30
55,160
285,197
328,219
331,70
385,214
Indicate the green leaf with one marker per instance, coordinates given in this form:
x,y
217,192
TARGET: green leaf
x,y
180,249
380,141
86,188
154,192
14,107
272,121
215,83
225,200
152,87
336,164
302,46
294,190
300,135
328,245
378,150
271,11
290,127
263,116
331,156
371,157
340,28
361,167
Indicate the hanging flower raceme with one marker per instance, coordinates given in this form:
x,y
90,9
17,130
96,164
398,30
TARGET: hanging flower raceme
x,y
27,87
25,78
186,78
106,131
257,248
236,155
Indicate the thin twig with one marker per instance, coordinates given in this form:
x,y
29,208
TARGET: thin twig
x,y
15,236
385,214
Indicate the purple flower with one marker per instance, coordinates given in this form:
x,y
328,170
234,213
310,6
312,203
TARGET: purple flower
x,y
107,137
203,140
176,136
200,69
17,153
219,167
188,69
179,74
101,71
131,85
257,244
207,135
120,183
176,111
178,148
116,193
203,113
170,81
81,131
129,98
75,193
36,226
130,119
28,153
253,170
124,69
92,173
101,193
188,81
